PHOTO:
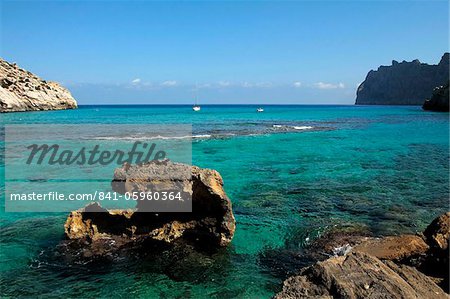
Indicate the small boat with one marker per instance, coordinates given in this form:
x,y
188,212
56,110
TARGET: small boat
x,y
260,110
196,106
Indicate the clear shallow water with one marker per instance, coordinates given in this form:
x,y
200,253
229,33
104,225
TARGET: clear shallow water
x,y
382,168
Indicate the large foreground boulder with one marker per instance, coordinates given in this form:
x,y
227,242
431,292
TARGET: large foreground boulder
x,y
211,222
20,90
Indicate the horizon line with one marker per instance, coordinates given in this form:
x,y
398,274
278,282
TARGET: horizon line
x,y
223,104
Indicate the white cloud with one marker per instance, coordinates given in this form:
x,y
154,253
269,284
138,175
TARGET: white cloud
x,y
224,83
322,85
256,85
297,84
137,84
169,83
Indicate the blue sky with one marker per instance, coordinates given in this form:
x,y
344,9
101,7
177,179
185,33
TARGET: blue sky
x,y
304,52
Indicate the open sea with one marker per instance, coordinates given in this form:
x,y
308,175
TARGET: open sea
x,y
291,172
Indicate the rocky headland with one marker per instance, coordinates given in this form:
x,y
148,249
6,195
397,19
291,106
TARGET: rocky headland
x,y
21,90
96,231
402,83
406,266
439,100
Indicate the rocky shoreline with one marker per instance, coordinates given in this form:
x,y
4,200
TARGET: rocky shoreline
x,y
406,266
21,90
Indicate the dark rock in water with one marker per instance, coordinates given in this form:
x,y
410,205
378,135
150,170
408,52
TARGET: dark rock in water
x,y
439,100
298,252
210,224
21,90
179,261
406,266
359,275
337,237
404,83
282,263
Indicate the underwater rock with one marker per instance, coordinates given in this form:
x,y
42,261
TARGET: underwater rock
x,y
211,222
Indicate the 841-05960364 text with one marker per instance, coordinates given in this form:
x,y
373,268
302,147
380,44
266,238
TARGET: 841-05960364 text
x,y
100,196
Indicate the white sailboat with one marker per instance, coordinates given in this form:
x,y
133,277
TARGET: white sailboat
x,y
260,109
196,107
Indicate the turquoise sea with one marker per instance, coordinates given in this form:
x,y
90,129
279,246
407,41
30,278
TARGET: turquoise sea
x,y
292,173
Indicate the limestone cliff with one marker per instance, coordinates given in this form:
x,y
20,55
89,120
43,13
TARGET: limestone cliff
x,y
404,83
21,90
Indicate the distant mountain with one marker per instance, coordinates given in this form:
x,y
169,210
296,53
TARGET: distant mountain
x,y
403,83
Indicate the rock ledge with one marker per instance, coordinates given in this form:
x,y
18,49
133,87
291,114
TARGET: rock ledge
x,y
405,266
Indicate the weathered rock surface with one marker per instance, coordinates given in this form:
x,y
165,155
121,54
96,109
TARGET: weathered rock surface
x,y
395,248
211,222
359,275
436,263
407,266
439,100
404,83
21,90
